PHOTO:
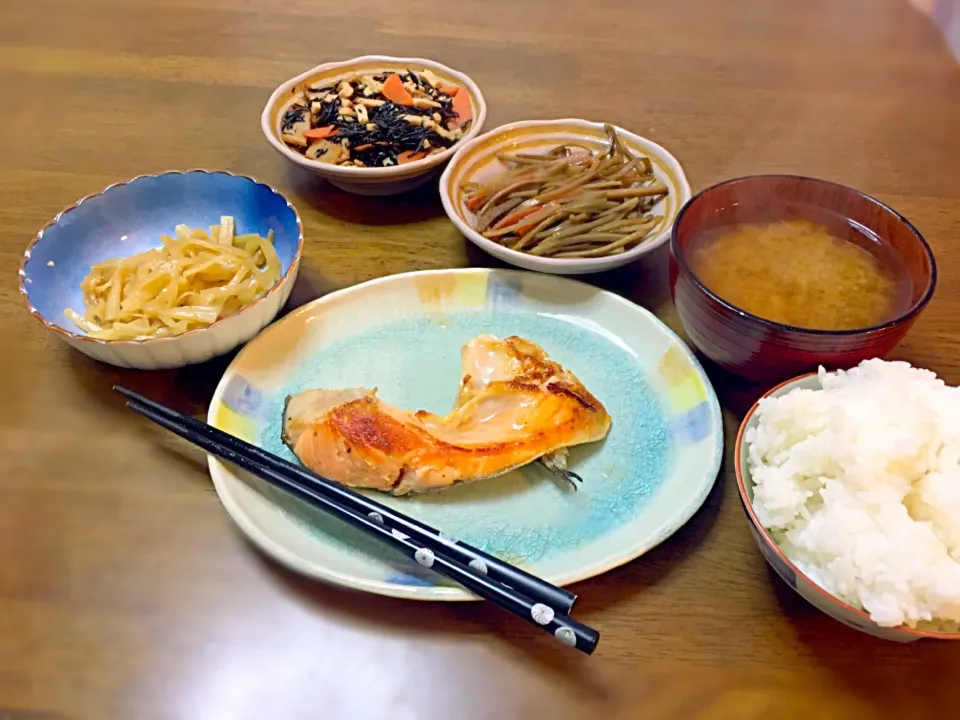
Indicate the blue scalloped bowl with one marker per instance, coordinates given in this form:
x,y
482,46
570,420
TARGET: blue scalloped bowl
x,y
128,218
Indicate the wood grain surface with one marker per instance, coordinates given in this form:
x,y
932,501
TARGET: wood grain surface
x,y
126,593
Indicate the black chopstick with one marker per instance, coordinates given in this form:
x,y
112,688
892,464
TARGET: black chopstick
x,y
565,629
530,585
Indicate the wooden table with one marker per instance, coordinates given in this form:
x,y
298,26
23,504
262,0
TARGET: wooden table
x,y
124,590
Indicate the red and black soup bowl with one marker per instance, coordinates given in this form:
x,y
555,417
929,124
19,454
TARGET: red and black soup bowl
x,y
766,351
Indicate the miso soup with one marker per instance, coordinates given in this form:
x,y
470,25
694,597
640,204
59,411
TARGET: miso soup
x,y
799,273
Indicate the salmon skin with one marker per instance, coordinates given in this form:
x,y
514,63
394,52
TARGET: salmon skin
x,y
515,406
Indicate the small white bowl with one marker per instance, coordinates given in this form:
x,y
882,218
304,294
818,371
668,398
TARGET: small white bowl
x,y
476,160
373,180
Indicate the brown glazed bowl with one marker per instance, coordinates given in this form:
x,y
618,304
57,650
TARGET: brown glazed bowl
x,y
765,351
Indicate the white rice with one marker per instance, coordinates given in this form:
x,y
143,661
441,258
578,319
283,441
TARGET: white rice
x,y
859,484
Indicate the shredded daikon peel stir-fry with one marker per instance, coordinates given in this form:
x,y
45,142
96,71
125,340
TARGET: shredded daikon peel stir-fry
x,y
193,280
571,202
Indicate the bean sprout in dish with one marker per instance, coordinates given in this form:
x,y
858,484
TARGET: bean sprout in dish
x,y
571,202
190,282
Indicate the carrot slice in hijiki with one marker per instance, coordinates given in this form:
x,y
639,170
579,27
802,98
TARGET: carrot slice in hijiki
x,y
409,156
462,107
321,133
394,91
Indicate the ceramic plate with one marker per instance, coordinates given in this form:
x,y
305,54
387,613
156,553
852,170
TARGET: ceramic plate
x,y
402,334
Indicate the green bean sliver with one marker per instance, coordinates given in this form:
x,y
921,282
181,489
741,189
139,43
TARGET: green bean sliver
x,y
571,201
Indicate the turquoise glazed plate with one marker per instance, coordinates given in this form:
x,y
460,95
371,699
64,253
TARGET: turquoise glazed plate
x,y
403,334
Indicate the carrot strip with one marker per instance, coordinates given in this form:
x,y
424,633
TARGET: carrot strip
x,y
394,91
449,90
321,133
462,107
361,148
515,216
476,202
534,222
525,224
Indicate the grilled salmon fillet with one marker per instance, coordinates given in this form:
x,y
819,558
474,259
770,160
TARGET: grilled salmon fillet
x,y
514,406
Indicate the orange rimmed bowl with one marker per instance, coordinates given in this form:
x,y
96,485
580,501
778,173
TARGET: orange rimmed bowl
x,y
369,180
790,573
476,161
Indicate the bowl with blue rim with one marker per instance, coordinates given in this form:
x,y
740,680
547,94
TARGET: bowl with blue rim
x,y
130,217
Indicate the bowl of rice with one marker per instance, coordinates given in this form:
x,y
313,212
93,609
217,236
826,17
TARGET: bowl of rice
x,y
851,483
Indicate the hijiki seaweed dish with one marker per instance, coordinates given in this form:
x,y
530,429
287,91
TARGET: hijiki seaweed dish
x,y
570,202
377,120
